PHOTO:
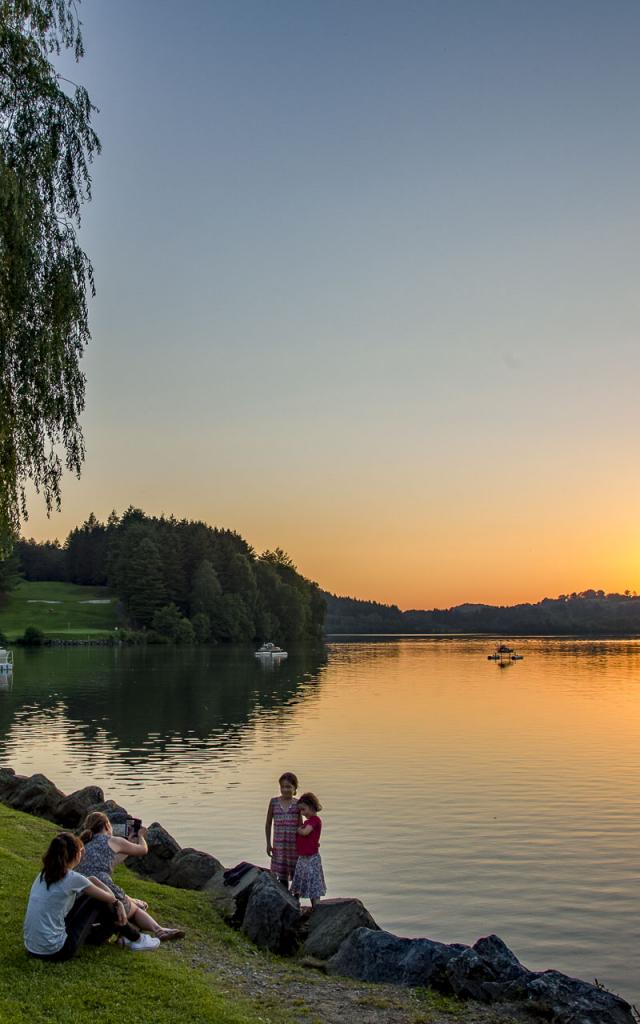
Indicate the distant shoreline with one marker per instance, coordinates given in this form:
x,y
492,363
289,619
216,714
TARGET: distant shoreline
x,y
495,635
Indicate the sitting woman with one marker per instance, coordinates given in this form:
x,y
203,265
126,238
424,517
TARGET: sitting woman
x,y
103,851
65,909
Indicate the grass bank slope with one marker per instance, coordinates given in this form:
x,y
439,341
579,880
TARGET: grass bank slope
x,y
60,610
214,976
107,984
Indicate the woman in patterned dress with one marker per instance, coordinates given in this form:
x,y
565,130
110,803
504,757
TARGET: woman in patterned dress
x,y
283,818
102,851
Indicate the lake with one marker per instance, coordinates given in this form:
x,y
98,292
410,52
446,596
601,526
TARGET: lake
x,y
460,798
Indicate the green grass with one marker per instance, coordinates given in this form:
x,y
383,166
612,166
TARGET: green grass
x,y
109,984
69,616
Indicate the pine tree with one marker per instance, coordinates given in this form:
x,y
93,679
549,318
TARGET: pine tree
x,y
145,584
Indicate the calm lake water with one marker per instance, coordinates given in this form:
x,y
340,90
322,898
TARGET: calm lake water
x,y
459,798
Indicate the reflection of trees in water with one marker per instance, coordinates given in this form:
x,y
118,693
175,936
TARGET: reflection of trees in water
x,y
143,701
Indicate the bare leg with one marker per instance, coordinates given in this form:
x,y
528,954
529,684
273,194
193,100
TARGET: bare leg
x,y
147,923
144,921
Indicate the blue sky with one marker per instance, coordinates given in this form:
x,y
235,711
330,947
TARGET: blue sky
x,y
367,287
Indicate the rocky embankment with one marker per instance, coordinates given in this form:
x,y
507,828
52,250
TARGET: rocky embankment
x,y
339,936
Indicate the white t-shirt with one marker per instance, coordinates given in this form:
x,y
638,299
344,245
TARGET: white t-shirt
x,y
44,930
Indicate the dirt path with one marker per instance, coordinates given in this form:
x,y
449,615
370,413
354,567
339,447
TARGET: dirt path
x,y
313,998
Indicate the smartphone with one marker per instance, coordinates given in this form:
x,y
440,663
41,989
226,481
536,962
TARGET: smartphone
x,y
135,824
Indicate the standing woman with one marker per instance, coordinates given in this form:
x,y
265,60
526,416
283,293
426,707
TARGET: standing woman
x,y
102,852
65,909
283,817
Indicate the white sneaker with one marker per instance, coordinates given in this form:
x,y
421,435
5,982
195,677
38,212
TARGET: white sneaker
x,y
143,943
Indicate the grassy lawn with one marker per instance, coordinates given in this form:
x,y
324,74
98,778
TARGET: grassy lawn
x,y
59,610
108,984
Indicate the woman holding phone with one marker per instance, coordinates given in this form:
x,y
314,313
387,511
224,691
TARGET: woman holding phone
x,y
67,909
103,851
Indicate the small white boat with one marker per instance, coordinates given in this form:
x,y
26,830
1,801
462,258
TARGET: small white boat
x,y
6,662
270,651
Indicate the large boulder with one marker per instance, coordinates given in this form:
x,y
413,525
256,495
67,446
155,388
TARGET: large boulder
x,y
571,1001
73,809
110,808
231,901
35,794
157,863
502,961
470,976
272,916
549,994
331,922
380,956
9,781
192,869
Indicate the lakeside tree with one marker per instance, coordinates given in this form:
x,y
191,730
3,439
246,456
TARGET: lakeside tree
x,y
46,145
184,580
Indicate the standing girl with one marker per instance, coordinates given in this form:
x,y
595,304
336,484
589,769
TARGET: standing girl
x,y
283,816
65,909
308,880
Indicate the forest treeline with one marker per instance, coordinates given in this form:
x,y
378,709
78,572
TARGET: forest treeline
x,y
181,580
587,612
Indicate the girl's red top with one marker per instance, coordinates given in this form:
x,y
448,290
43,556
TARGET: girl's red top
x,y
308,845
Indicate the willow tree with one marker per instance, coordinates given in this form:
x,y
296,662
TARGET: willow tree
x,y
46,146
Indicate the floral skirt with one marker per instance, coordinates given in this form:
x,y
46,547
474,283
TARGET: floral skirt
x,y
308,879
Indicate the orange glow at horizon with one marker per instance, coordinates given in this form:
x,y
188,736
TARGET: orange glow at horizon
x,y
425,554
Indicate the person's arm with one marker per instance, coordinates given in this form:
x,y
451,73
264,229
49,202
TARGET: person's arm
x,y
304,830
101,885
267,829
127,848
101,892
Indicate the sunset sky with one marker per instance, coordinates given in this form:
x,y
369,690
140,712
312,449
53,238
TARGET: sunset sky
x,y
368,287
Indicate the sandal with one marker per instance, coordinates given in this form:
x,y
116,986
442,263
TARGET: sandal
x,y
169,934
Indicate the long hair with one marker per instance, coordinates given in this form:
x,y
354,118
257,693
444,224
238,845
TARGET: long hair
x,y
63,849
94,823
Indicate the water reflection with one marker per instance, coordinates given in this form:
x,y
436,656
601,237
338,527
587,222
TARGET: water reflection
x,y
142,701
458,799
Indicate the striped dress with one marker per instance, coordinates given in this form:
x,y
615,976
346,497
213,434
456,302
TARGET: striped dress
x,y
285,823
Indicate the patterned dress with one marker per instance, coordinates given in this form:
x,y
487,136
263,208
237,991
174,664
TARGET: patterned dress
x,y
98,860
308,879
285,823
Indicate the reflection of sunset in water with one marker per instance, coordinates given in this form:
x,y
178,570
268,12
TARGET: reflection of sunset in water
x,y
459,798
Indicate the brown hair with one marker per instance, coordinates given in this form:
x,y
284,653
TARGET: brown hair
x,y
290,777
311,800
63,849
94,823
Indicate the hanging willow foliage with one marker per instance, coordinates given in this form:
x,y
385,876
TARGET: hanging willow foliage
x,y
46,146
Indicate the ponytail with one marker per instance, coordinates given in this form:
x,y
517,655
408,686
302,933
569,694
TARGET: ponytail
x,y
63,849
94,823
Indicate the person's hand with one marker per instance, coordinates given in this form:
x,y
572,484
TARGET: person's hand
x,y
269,850
142,832
141,904
121,914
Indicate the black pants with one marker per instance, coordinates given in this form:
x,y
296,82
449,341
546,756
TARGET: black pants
x,y
89,921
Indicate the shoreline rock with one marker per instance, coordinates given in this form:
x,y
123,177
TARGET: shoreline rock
x,y
339,934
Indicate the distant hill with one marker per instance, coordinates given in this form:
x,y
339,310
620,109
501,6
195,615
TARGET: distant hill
x,y
590,612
